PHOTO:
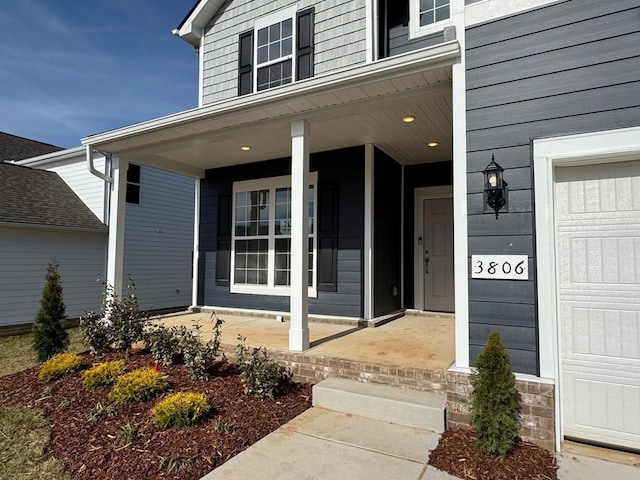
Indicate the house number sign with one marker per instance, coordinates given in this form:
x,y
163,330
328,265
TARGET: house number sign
x,y
500,267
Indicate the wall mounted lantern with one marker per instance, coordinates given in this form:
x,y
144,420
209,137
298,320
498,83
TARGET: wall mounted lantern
x,y
494,186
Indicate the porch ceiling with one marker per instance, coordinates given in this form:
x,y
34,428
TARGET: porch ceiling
x,y
356,106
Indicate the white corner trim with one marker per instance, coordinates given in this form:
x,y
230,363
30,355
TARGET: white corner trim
x,y
587,148
371,30
368,230
461,250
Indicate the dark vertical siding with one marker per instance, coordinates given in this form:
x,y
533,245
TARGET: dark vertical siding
x,y
341,168
417,176
564,68
387,176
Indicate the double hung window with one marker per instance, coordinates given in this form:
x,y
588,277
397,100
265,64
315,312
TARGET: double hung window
x,y
427,16
261,243
278,50
274,54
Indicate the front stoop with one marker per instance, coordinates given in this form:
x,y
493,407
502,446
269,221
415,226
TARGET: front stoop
x,y
410,408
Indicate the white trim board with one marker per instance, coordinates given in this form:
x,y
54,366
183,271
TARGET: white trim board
x,y
586,148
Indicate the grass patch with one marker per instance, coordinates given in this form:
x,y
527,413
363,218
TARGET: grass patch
x,y
16,352
24,433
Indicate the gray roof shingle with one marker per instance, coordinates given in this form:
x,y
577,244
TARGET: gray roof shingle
x,y
13,148
29,196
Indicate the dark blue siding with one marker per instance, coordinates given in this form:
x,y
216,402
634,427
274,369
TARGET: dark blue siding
x,y
343,168
565,68
387,176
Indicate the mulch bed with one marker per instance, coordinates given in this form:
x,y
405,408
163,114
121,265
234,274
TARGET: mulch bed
x,y
457,455
92,451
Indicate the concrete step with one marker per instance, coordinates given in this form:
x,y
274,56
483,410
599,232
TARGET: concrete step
x,y
382,402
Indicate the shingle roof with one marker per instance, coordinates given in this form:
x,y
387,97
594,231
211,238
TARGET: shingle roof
x,y
13,148
29,196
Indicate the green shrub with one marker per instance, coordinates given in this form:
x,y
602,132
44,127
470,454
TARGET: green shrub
x,y
58,366
180,410
138,386
163,343
260,376
49,334
494,400
198,356
103,374
119,324
99,412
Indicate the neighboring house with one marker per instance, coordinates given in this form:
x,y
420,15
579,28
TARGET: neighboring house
x,y
14,148
158,238
339,152
41,219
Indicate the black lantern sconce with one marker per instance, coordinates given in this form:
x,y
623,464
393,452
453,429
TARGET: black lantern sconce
x,y
495,186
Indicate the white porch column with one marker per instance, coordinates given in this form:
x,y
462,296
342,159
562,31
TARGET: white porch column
x,y
299,328
368,231
460,192
196,243
117,202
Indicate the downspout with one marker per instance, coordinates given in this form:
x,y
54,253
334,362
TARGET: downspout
x,y
91,166
107,196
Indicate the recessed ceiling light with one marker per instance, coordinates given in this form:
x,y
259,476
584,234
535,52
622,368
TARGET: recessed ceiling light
x,y
432,144
408,118
245,148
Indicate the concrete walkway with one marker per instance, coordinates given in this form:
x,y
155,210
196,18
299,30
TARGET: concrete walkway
x,y
326,445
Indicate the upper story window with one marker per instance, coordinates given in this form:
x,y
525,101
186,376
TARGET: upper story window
x,y
133,183
275,60
277,51
428,16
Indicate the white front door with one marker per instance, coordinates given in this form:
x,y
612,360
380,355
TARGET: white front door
x,y
597,220
437,262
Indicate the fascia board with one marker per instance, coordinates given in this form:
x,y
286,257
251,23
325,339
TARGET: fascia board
x,y
51,157
190,29
389,68
61,228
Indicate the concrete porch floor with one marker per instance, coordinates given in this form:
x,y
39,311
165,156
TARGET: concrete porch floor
x,y
414,341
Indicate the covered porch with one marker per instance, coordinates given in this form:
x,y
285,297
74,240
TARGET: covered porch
x,y
379,117
413,351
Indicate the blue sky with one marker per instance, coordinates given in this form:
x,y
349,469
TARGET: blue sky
x,y
72,68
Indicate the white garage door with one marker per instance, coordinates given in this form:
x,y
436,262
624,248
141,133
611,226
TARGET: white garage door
x,y
597,216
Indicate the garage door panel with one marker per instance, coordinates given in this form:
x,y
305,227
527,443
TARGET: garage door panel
x,y
610,336
603,410
597,215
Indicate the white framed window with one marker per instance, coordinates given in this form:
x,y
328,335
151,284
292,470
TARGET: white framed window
x,y
133,184
261,236
428,16
274,49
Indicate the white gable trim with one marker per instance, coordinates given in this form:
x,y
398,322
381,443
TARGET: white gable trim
x,y
192,27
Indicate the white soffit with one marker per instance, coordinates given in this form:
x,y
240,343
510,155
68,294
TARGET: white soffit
x,y
355,106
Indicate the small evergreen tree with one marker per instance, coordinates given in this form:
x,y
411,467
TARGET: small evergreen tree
x,y
49,334
494,400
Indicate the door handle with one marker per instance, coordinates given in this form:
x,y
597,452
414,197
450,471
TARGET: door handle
x,y
426,261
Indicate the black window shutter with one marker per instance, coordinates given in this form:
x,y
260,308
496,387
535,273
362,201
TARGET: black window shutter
x,y
328,238
223,251
304,44
245,63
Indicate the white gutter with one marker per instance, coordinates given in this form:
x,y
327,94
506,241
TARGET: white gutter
x,y
91,166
